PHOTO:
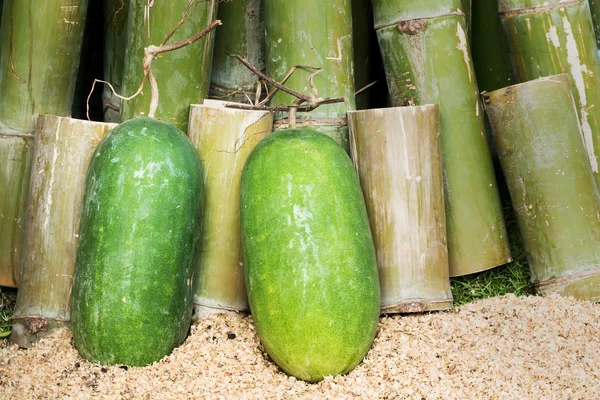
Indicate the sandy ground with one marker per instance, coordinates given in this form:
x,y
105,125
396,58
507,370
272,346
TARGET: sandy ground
x,y
501,348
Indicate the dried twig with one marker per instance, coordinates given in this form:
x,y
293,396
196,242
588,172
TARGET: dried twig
x,y
303,102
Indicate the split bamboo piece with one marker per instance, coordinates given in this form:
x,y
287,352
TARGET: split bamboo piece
x,y
15,151
183,76
540,145
40,46
61,153
318,34
427,61
224,138
399,161
490,48
115,42
553,37
243,34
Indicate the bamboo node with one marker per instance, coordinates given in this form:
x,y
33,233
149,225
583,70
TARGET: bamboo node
x,y
34,325
412,27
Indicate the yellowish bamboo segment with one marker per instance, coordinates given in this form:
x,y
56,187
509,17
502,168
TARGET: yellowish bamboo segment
x,y
15,153
61,153
224,138
541,149
399,161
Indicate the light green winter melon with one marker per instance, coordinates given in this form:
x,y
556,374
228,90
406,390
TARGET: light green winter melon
x,y
132,288
309,258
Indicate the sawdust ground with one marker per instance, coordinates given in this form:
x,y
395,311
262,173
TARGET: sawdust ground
x,y
500,348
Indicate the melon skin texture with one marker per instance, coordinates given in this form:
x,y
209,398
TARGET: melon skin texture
x,y
132,288
309,259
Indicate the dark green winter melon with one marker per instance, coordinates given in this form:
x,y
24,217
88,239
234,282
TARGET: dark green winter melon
x,y
309,258
132,288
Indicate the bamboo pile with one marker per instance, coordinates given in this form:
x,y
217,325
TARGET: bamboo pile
x,y
446,109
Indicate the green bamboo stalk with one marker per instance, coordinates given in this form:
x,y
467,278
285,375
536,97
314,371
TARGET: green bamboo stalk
x,y
243,34
115,45
595,9
319,34
61,153
15,151
551,37
540,145
427,61
490,48
399,161
224,138
183,76
40,45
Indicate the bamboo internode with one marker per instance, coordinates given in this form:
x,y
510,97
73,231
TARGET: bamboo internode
x,y
427,61
399,161
541,149
61,153
316,37
243,34
183,76
554,37
15,151
224,138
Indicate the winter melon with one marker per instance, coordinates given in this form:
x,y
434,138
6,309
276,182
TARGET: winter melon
x,y
132,288
309,258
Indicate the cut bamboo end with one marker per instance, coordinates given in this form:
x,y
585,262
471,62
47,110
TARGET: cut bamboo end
x,y
61,153
541,149
15,150
224,138
399,161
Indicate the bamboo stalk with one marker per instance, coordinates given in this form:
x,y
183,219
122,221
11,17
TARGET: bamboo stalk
x,y
399,161
115,45
40,46
490,48
243,34
427,61
551,37
224,138
39,41
61,152
317,34
183,76
14,181
540,145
